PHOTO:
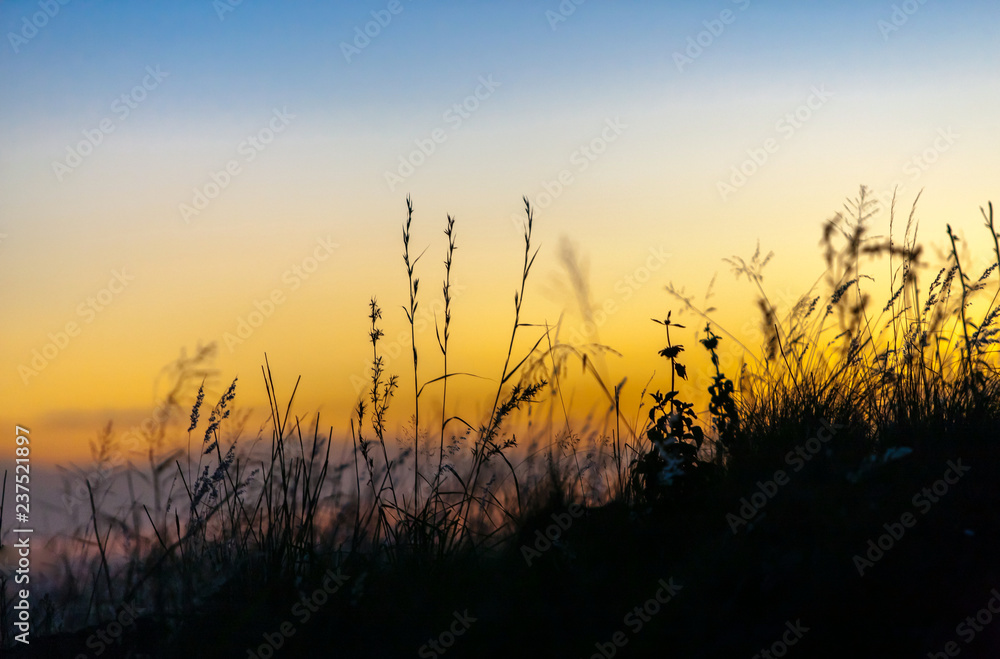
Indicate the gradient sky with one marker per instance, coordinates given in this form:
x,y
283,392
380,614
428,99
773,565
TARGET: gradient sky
x,y
903,93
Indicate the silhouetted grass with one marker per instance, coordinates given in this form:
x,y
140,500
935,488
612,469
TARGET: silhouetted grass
x,y
859,407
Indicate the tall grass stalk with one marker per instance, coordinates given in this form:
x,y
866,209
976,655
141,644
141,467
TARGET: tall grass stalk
x,y
486,446
411,313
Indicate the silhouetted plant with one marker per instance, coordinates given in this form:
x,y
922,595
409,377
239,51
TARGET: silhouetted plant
x,y
722,405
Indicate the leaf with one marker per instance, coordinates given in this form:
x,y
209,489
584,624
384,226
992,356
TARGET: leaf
x,y
671,352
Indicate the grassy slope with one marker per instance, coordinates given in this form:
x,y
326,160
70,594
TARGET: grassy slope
x,y
409,568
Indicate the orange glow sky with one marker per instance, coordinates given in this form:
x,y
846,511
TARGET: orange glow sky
x,y
882,100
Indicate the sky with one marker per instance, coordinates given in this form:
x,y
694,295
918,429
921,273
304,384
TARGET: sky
x,y
174,174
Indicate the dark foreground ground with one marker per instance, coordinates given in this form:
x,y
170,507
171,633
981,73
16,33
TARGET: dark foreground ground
x,y
902,560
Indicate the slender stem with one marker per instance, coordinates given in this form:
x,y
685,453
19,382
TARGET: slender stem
x,y
490,429
450,232
410,315
965,295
